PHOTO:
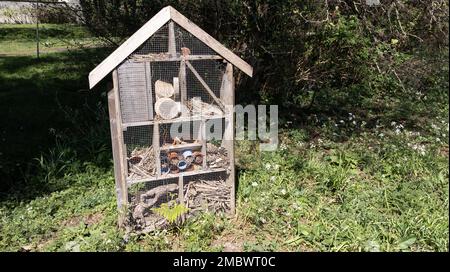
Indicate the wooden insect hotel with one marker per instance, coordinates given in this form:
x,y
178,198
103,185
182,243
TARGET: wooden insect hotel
x,y
171,115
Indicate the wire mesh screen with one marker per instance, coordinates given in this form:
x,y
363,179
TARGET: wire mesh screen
x,y
207,192
164,71
211,71
158,43
217,156
148,201
187,40
140,152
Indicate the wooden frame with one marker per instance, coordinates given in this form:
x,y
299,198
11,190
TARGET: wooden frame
x,y
226,102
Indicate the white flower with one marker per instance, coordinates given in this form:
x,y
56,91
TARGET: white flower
x,y
254,184
283,191
268,166
393,123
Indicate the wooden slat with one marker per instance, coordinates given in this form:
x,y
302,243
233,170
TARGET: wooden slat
x,y
181,146
210,41
170,176
125,126
129,46
210,92
167,57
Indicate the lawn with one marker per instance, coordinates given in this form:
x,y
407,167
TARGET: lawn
x,y
21,39
375,179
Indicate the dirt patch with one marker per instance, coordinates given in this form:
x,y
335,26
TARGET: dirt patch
x,y
232,240
89,219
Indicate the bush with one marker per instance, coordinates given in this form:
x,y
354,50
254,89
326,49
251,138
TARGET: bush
x,y
301,51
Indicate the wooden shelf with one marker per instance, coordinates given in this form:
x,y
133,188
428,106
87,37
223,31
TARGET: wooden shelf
x,y
177,175
181,146
175,120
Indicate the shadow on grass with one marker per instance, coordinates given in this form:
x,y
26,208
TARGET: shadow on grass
x,y
41,101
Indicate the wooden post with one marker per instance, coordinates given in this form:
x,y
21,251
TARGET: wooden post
x,y
172,45
156,148
203,138
227,93
120,162
182,81
180,189
37,30
149,93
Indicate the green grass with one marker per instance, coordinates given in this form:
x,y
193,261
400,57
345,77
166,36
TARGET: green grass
x,y
21,39
373,180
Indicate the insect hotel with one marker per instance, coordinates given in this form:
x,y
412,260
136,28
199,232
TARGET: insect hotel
x,y
171,116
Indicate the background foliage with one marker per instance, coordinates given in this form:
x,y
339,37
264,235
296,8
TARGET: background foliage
x,y
301,49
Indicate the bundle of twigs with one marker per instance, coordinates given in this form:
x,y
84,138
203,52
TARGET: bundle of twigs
x,y
217,157
210,195
141,163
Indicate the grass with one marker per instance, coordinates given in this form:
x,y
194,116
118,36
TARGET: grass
x,y
21,39
371,179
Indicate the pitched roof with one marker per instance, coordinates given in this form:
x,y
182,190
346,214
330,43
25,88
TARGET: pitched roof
x,y
148,29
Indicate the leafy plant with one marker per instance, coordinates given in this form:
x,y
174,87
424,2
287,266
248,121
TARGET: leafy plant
x,y
171,211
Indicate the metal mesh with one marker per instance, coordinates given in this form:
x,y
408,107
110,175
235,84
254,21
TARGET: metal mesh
x,y
207,192
140,152
164,71
146,198
211,71
158,43
186,39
